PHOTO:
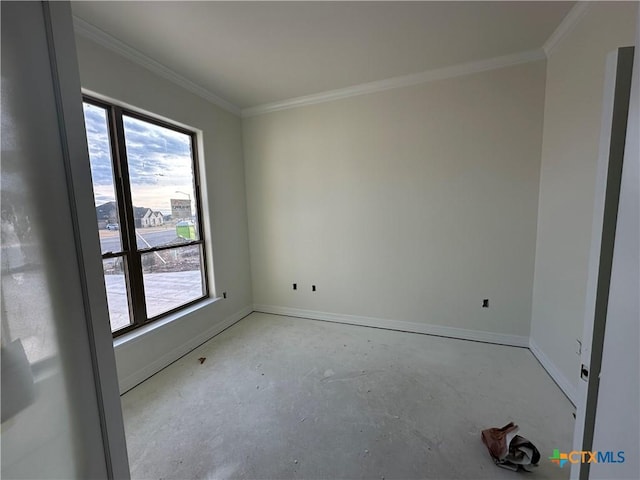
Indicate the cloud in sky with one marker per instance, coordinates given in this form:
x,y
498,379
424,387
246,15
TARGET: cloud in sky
x,y
159,161
99,149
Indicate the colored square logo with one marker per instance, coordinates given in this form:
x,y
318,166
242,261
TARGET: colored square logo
x,y
559,458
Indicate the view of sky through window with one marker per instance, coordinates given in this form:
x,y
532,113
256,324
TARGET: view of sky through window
x,y
95,120
159,160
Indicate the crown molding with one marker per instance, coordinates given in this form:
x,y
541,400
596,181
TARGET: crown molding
x,y
568,23
93,33
399,82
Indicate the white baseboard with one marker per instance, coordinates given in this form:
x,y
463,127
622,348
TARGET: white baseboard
x,y
441,331
147,371
451,332
554,372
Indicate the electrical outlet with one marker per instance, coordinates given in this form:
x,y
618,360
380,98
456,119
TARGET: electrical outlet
x,y
313,288
295,286
224,294
485,303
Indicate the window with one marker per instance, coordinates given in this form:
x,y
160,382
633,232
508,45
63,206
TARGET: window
x,y
147,199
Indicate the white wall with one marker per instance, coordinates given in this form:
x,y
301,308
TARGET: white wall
x,y
572,126
411,204
109,74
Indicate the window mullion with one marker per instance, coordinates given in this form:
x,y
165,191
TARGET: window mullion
x,y
196,175
128,228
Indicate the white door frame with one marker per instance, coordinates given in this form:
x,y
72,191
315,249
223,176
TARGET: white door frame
x,y
607,194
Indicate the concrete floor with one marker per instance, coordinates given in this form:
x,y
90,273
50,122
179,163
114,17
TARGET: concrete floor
x,y
281,397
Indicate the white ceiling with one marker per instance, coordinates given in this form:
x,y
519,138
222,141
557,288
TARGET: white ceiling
x,y
254,53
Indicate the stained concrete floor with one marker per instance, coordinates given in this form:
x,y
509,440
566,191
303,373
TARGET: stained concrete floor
x,y
282,398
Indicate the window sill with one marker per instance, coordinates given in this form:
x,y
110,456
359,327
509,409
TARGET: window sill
x,y
137,334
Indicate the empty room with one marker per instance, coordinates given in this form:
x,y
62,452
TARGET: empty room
x,y
318,240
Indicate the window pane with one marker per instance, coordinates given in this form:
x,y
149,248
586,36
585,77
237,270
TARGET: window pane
x,y
162,183
95,120
172,278
116,283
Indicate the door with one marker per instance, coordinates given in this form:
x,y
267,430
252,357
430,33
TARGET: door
x,y
617,421
604,313
61,414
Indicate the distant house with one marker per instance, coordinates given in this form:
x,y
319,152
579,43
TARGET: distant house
x,y
107,213
152,219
